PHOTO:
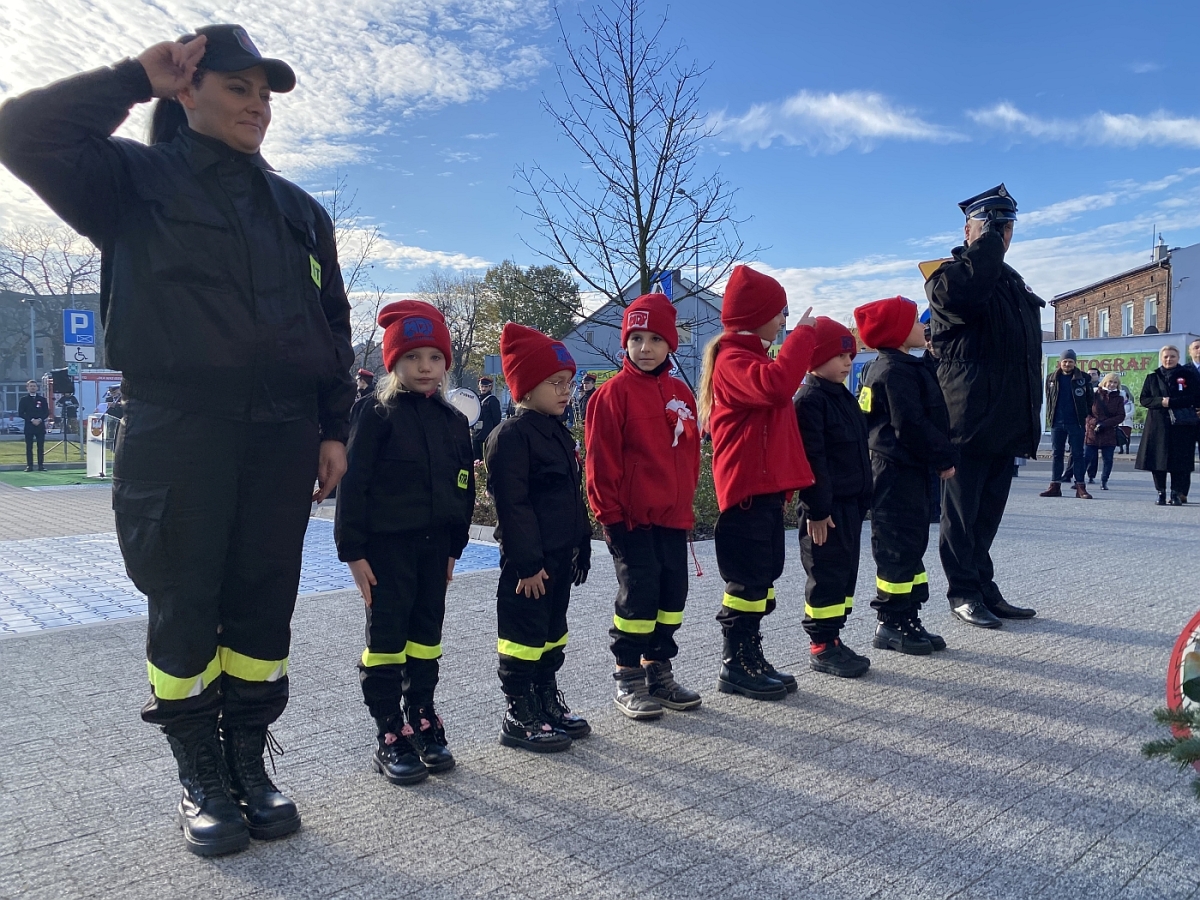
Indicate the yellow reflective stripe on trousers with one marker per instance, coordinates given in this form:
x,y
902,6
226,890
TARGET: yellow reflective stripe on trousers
x,y
524,651
825,612
770,593
169,687
423,651
849,604
753,606
670,618
634,626
901,587
248,668
383,659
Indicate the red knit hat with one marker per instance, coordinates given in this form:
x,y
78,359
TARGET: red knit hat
x,y
651,312
752,299
833,339
885,324
528,358
408,324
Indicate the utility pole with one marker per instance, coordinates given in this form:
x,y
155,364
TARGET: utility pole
x,y
32,339
696,283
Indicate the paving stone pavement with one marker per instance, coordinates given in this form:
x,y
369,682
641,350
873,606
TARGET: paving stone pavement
x,y
1005,767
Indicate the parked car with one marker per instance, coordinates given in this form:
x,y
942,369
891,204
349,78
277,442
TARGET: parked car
x,y
11,423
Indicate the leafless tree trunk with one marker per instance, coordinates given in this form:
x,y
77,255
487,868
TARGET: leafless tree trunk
x,y
52,266
460,297
630,106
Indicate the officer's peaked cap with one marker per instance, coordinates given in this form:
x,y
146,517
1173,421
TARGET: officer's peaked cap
x,y
997,198
229,49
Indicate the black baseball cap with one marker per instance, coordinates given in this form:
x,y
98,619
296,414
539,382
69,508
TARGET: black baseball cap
x,y
229,49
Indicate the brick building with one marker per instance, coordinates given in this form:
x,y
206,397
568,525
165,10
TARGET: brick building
x,y
1122,305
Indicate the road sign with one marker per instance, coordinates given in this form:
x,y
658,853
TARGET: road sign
x,y
73,369
78,353
79,328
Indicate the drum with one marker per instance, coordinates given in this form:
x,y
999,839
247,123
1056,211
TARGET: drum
x,y
466,402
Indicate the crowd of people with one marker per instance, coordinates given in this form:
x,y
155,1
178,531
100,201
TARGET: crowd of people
x,y
211,518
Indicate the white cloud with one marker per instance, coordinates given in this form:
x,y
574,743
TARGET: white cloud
x,y
1158,129
829,123
1144,68
361,65
397,255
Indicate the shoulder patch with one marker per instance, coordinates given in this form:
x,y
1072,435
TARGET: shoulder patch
x,y
864,399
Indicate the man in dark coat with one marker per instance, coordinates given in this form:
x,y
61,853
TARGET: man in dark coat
x,y
489,415
987,333
1069,399
34,409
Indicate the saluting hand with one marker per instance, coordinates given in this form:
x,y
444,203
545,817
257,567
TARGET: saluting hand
x,y
171,65
807,318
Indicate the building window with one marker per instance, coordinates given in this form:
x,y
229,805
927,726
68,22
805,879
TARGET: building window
x,y
1127,318
40,359
590,336
1102,323
1151,312
1066,331
685,332
1084,330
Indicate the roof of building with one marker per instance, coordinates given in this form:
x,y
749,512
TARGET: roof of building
x,y
1156,264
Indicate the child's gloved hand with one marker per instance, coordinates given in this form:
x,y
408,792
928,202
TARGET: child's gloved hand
x,y
581,564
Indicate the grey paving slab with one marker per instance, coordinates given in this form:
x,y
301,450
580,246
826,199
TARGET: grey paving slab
x,y
1006,767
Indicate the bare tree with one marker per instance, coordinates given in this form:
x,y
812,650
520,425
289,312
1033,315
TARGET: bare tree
x,y
460,297
630,106
50,268
357,243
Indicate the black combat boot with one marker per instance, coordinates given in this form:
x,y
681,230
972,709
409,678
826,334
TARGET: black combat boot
x,y
633,694
784,678
896,632
395,757
268,813
741,672
665,689
524,726
555,710
832,657
429,737
918,628
211,821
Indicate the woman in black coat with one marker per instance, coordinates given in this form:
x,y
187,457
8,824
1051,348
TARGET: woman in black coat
x,y
1170,395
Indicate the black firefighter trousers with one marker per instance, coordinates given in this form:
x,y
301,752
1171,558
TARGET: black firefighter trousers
x,y
973,504
532,631
404,620
652,588
210,516
832,570
899,537
749,544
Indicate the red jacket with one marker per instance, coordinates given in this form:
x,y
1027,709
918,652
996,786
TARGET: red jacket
x,y
756,441
643,450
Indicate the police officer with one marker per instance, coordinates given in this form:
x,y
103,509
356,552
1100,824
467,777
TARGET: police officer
x,y
987,334
220,280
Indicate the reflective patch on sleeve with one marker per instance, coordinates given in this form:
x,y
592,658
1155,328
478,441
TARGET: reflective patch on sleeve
x,y
314,269
463,477
864,399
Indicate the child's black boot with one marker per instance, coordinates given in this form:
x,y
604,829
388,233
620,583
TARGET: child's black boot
x,y
429,737
918,628
832,657
395,758
524,726
741,672
895,631
555,710
633,694
665,689
786,679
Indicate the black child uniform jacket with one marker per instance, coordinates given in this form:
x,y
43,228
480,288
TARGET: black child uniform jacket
x,y
411,468
535,477
834,431
906,415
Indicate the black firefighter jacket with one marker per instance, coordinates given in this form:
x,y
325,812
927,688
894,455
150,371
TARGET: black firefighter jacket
x,y
410,468
534,475
834,431
906,415
1081,390
987,331
219,279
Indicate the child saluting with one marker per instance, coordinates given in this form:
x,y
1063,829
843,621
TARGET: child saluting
x,y
643,461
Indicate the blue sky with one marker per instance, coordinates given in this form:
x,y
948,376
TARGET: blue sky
x,y
851,130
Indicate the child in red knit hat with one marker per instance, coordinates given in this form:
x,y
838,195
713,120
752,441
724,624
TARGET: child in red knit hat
x,y
545,539
403,516
909,434
832,509
758,460
643,462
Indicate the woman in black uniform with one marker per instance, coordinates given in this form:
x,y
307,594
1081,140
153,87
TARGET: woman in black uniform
x,y
224,309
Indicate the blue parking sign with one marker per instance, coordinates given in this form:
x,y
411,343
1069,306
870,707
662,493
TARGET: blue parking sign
x,y
79,327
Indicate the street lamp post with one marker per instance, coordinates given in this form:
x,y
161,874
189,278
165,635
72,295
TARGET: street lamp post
x,y
32,339
696,283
